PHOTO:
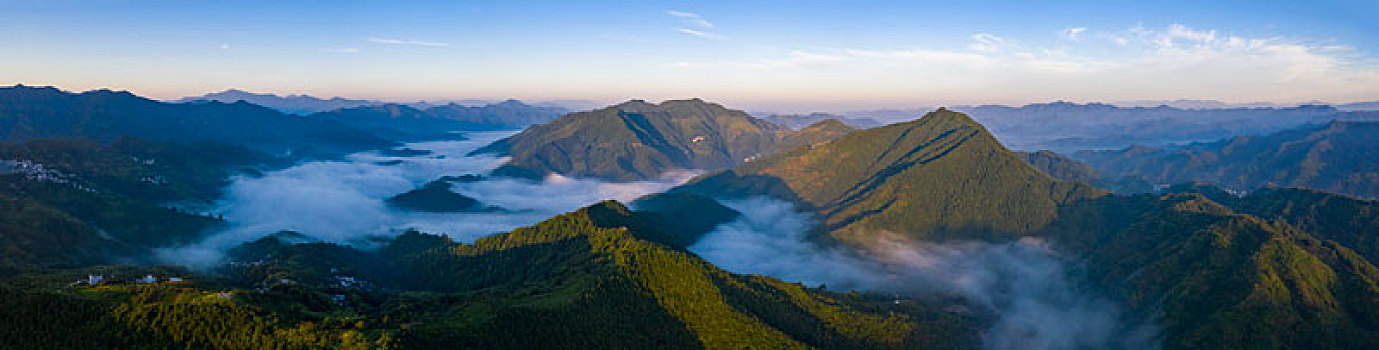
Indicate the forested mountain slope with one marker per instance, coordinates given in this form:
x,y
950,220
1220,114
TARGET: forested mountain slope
x,y
936,178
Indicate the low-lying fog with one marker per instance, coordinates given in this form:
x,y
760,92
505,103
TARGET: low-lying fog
x,y
343,201
1025,283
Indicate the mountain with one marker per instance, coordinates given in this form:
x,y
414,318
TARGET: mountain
x,y
798,121
1351,222
403,123
28,113
940,177
503,115
499,115
294,104
637,140
396,122
1359,106
597,277
888,116
1067,127
1336,157
1215,278
1063,168
1194,104
437,197
74,202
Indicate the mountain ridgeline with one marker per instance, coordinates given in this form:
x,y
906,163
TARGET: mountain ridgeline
x,y
1281,268
295,104
28,113
637,140
1270,270
1068,127
940,177
1204,267
1338,156
599,277
402,122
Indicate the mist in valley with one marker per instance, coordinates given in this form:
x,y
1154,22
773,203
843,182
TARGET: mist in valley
x,y
344,201
1025,283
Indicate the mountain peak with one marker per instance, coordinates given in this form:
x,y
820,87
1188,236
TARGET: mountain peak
x,y
945,115
939,177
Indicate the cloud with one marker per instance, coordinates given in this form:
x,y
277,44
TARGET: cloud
x,y
224,47
343,201
692,18
1025,283
1176,61
340,49
986,43
698,33
389,41
1074,34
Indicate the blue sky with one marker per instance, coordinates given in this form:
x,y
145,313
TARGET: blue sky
x,y
789,55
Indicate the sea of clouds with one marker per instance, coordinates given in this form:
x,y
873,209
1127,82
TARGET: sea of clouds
x,y
1025,282
343,201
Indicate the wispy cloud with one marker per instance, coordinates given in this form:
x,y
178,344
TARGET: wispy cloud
x,y
1170,62
1074,34
224,47
698,33
691,17
389,41
986,43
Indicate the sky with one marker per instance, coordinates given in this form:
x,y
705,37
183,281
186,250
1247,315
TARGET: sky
x,y
779,55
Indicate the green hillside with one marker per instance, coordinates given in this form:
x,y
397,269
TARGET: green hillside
x,y
1216,279
1336,157
939,177
593,278
74,202
1350,221
637,140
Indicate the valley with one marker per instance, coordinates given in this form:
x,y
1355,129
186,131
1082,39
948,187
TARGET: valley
x,y
683,224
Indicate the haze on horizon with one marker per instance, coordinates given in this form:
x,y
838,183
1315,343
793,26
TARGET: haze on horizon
x,y
781,55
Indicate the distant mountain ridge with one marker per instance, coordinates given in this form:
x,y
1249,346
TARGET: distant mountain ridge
x,y
1339,156
798,121
1066,127
295,104
43,112
509,112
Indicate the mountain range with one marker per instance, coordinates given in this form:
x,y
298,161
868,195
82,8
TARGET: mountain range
x,y
798,121
28,113
1214,104
405,123
1203,267
1286,268
1068,127
941,177
1337,157
305,104
638,140
294,104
